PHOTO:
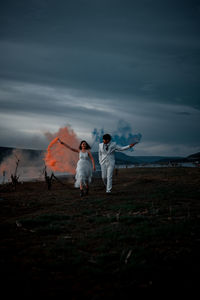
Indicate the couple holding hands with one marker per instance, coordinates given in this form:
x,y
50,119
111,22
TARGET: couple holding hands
x,y
86,164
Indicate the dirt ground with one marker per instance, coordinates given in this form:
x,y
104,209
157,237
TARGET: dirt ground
x,y
144,236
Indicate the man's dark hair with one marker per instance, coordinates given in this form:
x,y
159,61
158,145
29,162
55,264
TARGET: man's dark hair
x,y
107,137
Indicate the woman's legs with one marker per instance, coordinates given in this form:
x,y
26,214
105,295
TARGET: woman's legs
x,y
81,189
87,188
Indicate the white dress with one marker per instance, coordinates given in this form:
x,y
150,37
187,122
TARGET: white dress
x,y
83,169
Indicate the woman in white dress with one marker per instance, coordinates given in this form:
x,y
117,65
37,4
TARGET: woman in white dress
x,y
84,167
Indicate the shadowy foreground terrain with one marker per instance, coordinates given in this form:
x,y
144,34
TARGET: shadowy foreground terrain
x,y
144,236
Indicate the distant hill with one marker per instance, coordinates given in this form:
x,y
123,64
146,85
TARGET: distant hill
x,y
7,151
121,158
124,159
194,157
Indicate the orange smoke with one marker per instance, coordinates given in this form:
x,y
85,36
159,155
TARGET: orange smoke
x,y
58,157
48,157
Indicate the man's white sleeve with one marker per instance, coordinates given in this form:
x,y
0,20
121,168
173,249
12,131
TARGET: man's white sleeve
x,y
118,148
100,155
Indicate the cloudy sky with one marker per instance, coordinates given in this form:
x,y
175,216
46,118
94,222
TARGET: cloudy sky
x,y
93,63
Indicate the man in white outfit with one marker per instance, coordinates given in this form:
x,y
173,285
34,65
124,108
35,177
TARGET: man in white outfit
x,y
107,159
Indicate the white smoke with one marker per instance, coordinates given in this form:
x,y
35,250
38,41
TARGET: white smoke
x,y
25,164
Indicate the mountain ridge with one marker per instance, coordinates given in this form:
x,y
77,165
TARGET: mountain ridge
x,y
121,158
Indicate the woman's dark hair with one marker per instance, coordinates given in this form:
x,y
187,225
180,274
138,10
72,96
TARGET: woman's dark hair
x,y
87,145
107,137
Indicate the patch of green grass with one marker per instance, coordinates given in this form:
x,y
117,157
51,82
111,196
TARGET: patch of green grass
x,y
130,220
50,229
46,223
44,219
126,206
131,230
101,219
168,231
88,211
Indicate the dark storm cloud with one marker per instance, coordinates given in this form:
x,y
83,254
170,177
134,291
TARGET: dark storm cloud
x,y
17,98
106,47
99,60
184,113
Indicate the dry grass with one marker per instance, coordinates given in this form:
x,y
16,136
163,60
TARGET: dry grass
x,y
146,235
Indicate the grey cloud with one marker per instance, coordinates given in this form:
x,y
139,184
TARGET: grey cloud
x,y
104,75
118,59
13,137
183,113
106,48
40,102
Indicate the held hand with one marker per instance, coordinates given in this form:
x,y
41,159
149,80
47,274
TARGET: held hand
x,y
60,141
131,145
136,142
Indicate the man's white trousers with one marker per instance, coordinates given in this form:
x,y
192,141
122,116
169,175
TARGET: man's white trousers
x,y
107,172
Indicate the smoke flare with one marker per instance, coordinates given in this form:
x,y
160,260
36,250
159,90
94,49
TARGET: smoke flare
x,y
59,158
48,159
123,135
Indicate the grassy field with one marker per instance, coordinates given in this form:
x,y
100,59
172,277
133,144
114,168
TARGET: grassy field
x,y
145,236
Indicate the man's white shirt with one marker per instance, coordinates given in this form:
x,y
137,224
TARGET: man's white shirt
x,y
109,155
